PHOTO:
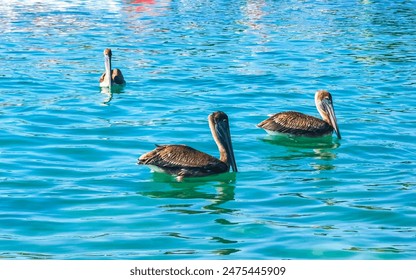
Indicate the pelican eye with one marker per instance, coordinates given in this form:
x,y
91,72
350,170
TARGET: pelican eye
x,y
327,99
218,120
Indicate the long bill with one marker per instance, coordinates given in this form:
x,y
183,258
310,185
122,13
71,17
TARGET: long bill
x,y
223,131
107,63
329,109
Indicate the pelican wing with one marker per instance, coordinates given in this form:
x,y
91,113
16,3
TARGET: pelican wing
x,y
118,76
183,160
296,123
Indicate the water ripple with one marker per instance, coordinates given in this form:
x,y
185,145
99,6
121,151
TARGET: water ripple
x,y
69,182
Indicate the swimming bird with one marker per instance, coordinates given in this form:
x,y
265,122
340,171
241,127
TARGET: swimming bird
x,y
298,124
184,161
115,74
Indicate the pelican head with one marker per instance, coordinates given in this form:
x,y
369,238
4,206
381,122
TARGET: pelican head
x,y
323,102
220,129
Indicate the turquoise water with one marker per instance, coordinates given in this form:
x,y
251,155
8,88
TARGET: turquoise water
x,y
70,187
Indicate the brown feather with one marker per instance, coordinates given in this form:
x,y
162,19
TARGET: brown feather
x,y
183,160
116,76
297,124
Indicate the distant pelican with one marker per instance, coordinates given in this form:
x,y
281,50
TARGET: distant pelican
x,y
116,76
298,124
184,161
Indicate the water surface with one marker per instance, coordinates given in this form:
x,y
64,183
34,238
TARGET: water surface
x,y
70,187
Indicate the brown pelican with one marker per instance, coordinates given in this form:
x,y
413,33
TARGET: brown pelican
x,y
298,124
184,161
115,75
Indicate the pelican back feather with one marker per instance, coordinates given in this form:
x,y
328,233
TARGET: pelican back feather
x,y
182,160
296,124
118,77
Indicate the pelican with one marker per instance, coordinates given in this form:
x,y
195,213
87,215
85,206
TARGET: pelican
x,y
115,75
298,124
184,161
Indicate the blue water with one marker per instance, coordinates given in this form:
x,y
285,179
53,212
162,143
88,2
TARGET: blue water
x,y
70,187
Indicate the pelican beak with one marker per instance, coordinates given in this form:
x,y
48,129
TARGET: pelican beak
x,y
107,63
329,109
223,130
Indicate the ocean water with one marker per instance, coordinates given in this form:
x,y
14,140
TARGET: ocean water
x,y
70,187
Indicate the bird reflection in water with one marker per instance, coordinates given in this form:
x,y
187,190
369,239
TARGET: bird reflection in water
x,y
191,189
295,150
197,196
